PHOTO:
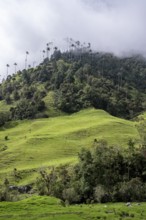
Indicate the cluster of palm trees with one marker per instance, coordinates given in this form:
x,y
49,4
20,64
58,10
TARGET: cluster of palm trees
x,y
77,45
72,46
46,51
15,65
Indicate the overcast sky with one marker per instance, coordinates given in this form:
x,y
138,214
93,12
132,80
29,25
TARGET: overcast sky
x,y
116,26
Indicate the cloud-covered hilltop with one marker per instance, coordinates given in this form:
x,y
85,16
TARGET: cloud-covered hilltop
x,y
110,25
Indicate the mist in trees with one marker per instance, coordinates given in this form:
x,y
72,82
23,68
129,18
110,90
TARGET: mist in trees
x,y
79,78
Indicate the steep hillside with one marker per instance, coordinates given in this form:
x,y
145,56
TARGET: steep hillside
x,y
32,144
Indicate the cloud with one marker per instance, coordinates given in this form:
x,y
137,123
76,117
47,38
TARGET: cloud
x,y
110,25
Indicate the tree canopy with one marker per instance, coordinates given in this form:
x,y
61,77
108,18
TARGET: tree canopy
x,y
79,78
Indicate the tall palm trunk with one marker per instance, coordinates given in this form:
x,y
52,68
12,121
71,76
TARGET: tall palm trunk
x,y
15,64
27,53
7,69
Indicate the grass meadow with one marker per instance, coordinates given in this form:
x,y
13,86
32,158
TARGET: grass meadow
x,y
47,208
30,145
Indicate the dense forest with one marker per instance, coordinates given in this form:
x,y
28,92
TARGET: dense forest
x,y
77,79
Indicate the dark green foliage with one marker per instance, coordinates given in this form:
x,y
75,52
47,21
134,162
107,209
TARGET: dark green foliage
x,y
134,190
6,138
27,109
4,117
16,95
103,174
8,99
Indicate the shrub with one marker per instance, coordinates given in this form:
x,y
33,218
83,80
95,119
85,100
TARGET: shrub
x,y
99,193
134,190
6,138
70,195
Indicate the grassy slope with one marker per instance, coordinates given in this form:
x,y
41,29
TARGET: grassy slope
x,y
42,142
142,116
47,208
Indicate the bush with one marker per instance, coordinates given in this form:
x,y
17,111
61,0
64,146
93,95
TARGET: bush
x,y
6,138
41,187
132,191
4,117
99,193
71,195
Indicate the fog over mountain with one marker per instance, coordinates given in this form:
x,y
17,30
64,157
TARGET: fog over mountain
x,y
110,25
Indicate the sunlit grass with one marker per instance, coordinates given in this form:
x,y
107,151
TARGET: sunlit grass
x,y
33,144
46,208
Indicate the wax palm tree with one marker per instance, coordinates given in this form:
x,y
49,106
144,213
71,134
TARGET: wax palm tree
x,y
89,45
55,48
78,44
72,46
48,50
15,64
27,53
43,51
7,68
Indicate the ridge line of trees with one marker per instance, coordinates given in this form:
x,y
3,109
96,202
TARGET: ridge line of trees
x,y
78,79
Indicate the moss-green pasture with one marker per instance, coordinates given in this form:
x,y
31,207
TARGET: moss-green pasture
x,y
47,208
33,144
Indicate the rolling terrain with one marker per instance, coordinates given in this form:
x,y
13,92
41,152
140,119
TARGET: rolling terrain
x,y
49,113
29,145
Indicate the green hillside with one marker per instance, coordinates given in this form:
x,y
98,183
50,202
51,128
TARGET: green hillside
x,y
72,100
33,144
74,80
